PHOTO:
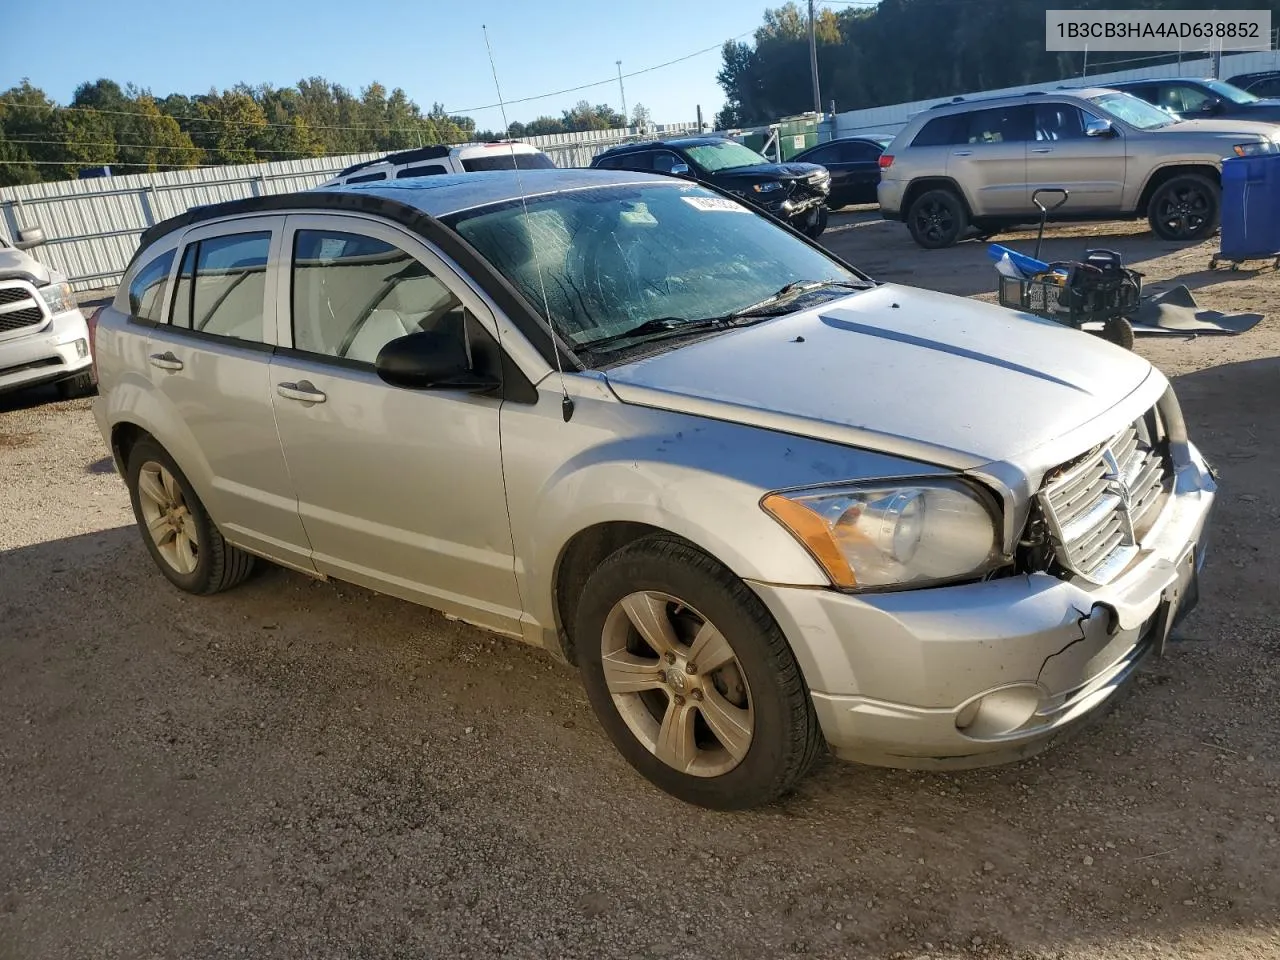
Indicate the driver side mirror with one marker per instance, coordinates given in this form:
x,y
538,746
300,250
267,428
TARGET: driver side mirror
x,y
430,360
680,169
1099,128
1211,106
31,237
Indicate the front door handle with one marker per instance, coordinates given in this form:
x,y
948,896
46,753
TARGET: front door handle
x,y
962,153
303,390
165,361
1042,149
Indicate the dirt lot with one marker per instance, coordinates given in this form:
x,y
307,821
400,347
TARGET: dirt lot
x,y
304,769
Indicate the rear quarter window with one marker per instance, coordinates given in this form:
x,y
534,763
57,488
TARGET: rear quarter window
x,y
147,289
943,132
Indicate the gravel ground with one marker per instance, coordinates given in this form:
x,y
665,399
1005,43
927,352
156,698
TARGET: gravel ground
x,y
301,769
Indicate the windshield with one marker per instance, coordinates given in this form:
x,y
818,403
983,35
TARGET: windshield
x,y
1227,92
1135,112
505,160
724,155
614,257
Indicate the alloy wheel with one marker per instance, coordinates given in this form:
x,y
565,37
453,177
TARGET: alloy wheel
x,y
1184,211
934,221
169,521
677,684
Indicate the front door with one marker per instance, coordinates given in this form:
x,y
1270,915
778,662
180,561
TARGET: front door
x,y
1090,169
211,362
400,490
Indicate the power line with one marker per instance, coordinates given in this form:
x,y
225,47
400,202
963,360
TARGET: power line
x,y
425,120
113,163
139,146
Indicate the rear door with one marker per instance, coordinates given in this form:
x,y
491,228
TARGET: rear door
x,y
211,362
400,490
1090,169
991,163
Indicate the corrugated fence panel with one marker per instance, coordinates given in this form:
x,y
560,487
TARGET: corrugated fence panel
x,y
92,226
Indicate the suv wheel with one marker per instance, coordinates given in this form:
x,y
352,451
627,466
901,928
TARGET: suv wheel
x,y
1185,208
817,224
691,677
937,219
176,528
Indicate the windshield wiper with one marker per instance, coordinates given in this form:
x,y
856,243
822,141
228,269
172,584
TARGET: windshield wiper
x,y
657,325
793,291
665,327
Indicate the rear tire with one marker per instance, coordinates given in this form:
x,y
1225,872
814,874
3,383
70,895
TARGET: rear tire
x,y
81,385
937,219
707,700
1185,208
176,528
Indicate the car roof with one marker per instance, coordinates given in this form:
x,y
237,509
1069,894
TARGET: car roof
x,y
436,197
675,142
439,151
1147,81
962,104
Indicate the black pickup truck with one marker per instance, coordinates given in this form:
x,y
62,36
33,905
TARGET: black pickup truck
x,y
795,193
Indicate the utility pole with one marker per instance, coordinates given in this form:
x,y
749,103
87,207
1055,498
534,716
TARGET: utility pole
x,y
625,121
813,61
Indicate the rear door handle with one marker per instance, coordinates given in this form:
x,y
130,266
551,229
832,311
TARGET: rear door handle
x,y
165,361
303,390
1042,149
962,153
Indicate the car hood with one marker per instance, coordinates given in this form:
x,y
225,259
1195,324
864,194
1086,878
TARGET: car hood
x,y
923,375
775,171
16,263
1230,126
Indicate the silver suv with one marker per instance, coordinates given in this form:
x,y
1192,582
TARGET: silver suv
x,y
977,163
757,499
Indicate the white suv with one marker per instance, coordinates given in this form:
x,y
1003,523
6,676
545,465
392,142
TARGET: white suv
x,y
43,335
441,159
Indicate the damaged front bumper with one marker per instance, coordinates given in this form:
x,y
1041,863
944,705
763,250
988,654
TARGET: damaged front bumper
x,y
982,673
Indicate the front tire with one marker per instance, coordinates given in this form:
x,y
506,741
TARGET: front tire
x,y
691,677
937,219
814,230
1119,331
1185,209
176,528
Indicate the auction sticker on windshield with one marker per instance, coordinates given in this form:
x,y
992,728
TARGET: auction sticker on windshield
x,y
715,203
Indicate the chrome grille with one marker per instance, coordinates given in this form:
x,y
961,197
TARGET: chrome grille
x,y
1099,507
20,306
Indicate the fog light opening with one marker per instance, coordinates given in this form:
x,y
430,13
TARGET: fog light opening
x,y
998,713
82,348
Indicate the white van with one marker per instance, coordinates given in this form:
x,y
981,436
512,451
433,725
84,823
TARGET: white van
x,y
435,160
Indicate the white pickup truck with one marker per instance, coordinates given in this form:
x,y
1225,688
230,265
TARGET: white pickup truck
x,y
43,335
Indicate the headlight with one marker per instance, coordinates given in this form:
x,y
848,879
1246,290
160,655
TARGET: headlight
x,y
900,534
1254,149
766,187
58,297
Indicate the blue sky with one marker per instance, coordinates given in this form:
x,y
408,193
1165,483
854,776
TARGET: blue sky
x,y
433,49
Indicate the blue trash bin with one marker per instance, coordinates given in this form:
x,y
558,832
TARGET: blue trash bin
x,y
1250,208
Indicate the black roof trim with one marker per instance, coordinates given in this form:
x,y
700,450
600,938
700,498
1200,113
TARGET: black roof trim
x,y
499,289
625,148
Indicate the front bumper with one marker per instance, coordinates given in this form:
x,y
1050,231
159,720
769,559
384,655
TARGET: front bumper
x,y
56,351
982,673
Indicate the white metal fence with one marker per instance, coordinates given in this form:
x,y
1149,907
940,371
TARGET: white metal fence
x,y
91,227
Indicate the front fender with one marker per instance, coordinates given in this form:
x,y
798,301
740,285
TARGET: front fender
x,y
697,478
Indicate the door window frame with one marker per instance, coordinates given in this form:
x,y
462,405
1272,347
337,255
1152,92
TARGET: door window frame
x,y
212,231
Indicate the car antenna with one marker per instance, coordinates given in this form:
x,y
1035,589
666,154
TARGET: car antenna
x,y
566,402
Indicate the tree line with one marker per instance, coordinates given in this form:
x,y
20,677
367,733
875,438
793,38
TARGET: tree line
x,y
904,50
136,131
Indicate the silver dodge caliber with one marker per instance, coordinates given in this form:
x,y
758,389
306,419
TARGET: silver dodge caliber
x,y
759,500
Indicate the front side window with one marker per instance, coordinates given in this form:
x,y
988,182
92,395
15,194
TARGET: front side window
x,y
1058,121
664,161
723,155
610,258
822,155
146,292
222,286
353,294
